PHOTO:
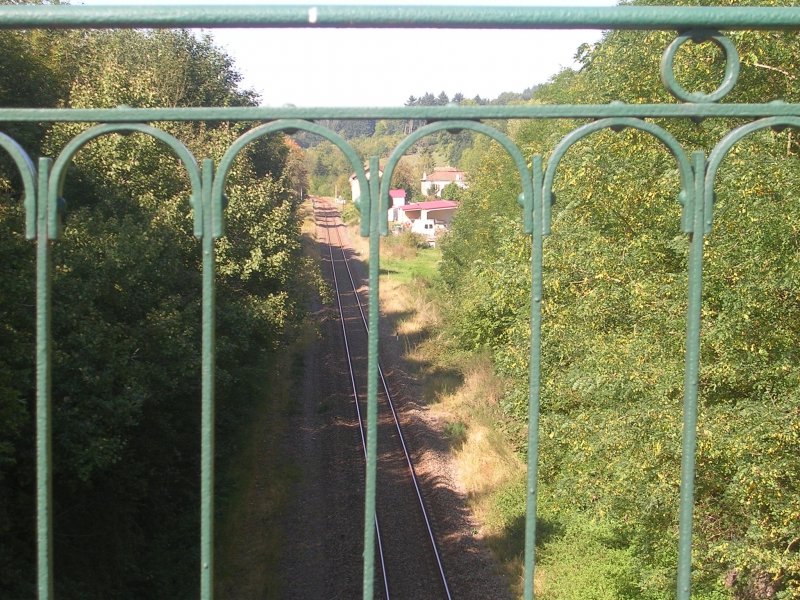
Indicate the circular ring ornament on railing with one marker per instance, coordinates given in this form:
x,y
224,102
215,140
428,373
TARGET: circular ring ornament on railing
x,y
699,36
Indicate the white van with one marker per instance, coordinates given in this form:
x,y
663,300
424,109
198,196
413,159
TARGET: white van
x,y
424,227
428,229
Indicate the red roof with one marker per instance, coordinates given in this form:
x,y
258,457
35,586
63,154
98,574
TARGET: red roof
x,y
432,205
397,193
445,174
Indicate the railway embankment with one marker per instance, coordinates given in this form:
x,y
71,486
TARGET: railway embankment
x,y
449,400
297,527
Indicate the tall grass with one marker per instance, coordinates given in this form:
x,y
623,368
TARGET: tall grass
x,y
407,258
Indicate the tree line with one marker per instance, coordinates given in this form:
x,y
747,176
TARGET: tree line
x,y
329,171
614,324
126,309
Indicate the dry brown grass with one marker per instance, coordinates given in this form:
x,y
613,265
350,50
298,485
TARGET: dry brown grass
x,y
485,461
487,465
306,213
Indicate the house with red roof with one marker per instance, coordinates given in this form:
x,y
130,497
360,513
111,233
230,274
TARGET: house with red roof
x,y
428,219
437,210
397,198
432,184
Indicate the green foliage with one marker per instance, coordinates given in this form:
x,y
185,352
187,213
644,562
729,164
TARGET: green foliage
x,y
126,314
407,178
408,257
329,170
614,320
350,128
456,433
452,191
587,559
350,214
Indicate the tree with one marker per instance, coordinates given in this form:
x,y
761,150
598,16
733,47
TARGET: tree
x,y
296,171
327,165
404,177
427,162
615,289
452,191
127,315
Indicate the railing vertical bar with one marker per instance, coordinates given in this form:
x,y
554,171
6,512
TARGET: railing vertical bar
x,y
535,365
372,380
44,353
691,382
208,366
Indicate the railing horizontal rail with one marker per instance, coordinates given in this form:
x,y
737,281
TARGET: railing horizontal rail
x,y
412,17
266,113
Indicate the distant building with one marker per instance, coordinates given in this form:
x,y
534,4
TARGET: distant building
x,y
441,211
428,219
398,199
355,188
432,184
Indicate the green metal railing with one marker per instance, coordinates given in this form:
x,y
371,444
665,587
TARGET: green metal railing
x,y
43,184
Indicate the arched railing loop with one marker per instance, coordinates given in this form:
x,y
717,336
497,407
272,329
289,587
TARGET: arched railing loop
x,y
368,190
692,175
27,171
499,137
290,125
723,147
686,196
59,172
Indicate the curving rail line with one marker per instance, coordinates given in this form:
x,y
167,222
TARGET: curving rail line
x,y
396,420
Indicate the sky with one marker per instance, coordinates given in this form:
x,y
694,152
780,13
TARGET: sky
x,y
368,67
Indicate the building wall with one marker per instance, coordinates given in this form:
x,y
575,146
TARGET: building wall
x,y
440,215
440,184
355,189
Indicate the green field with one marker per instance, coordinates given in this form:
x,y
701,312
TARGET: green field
x,y
402,261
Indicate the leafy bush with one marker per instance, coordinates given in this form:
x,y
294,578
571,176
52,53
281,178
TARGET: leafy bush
x,y
126,314
614,319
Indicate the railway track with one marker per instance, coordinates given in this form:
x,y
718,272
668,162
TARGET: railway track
x,y
409,564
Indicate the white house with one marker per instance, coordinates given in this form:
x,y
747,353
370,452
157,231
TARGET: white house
x,y
398,199
440,177
427,218
355,189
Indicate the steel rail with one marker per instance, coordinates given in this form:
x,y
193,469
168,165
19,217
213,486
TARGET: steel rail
x,y
396,419
127,114
410,17
355,393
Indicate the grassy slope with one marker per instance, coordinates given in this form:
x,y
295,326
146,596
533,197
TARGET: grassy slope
x,y
460,389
